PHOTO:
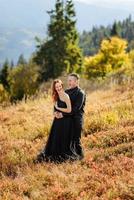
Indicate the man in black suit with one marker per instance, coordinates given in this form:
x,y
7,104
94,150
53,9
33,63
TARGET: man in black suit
x,y
78,98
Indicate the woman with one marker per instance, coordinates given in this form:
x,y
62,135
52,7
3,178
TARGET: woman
x,y
59,144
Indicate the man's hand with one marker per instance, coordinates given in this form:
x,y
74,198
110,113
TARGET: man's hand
x,y
58,115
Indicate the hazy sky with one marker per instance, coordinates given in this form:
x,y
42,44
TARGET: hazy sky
x,y
123,4
32,13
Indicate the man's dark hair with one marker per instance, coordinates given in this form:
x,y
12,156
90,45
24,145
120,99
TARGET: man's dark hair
x,y
75,75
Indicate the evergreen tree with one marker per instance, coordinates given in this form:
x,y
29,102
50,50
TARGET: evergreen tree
x,y
12,64
4,75
115,29
60,51
74,54
21,60
50,54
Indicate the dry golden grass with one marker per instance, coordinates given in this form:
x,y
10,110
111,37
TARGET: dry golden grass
x,y
105,173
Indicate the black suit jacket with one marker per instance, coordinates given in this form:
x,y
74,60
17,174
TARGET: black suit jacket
x,y
78,99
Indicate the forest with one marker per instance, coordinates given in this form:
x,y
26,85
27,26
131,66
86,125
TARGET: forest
x,y
90,40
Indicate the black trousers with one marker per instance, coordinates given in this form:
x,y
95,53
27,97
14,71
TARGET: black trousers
x,y
78,127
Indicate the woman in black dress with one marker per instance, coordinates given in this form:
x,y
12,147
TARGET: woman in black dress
x,y
59,146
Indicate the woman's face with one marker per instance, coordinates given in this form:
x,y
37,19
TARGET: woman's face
x,y
58,87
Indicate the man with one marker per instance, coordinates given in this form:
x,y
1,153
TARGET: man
x,y
78,98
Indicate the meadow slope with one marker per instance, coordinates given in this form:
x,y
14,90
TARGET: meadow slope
x,y
105,173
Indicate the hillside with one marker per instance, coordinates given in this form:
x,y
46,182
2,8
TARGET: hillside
x,y
107,170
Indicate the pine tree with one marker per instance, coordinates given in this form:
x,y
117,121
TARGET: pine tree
x,y
21,60
60,51
74,53
4,75
114,30
50,54
11,64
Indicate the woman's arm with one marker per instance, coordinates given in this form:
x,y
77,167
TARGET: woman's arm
x,y
68,103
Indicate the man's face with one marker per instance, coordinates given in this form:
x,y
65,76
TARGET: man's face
x,y
72,82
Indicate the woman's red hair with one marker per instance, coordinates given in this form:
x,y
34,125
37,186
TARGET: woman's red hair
x,y
54,92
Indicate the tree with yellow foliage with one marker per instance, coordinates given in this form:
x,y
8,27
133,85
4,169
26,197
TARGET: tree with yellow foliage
x,y
4,95
111,57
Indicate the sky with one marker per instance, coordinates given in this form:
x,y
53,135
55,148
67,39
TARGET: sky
x,y
31,13
123,4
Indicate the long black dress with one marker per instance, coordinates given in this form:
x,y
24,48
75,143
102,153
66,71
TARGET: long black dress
x,y
60,145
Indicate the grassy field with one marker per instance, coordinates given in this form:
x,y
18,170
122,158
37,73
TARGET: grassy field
x,y
105,173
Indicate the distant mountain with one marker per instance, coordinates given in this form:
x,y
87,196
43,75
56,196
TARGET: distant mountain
x,y
21,21
14,41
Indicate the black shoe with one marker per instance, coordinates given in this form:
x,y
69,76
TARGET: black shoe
x,y
38,159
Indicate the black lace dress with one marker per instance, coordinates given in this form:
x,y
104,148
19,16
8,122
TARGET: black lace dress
x,y
60,145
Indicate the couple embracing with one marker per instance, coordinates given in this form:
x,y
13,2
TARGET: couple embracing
x,y
64,140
